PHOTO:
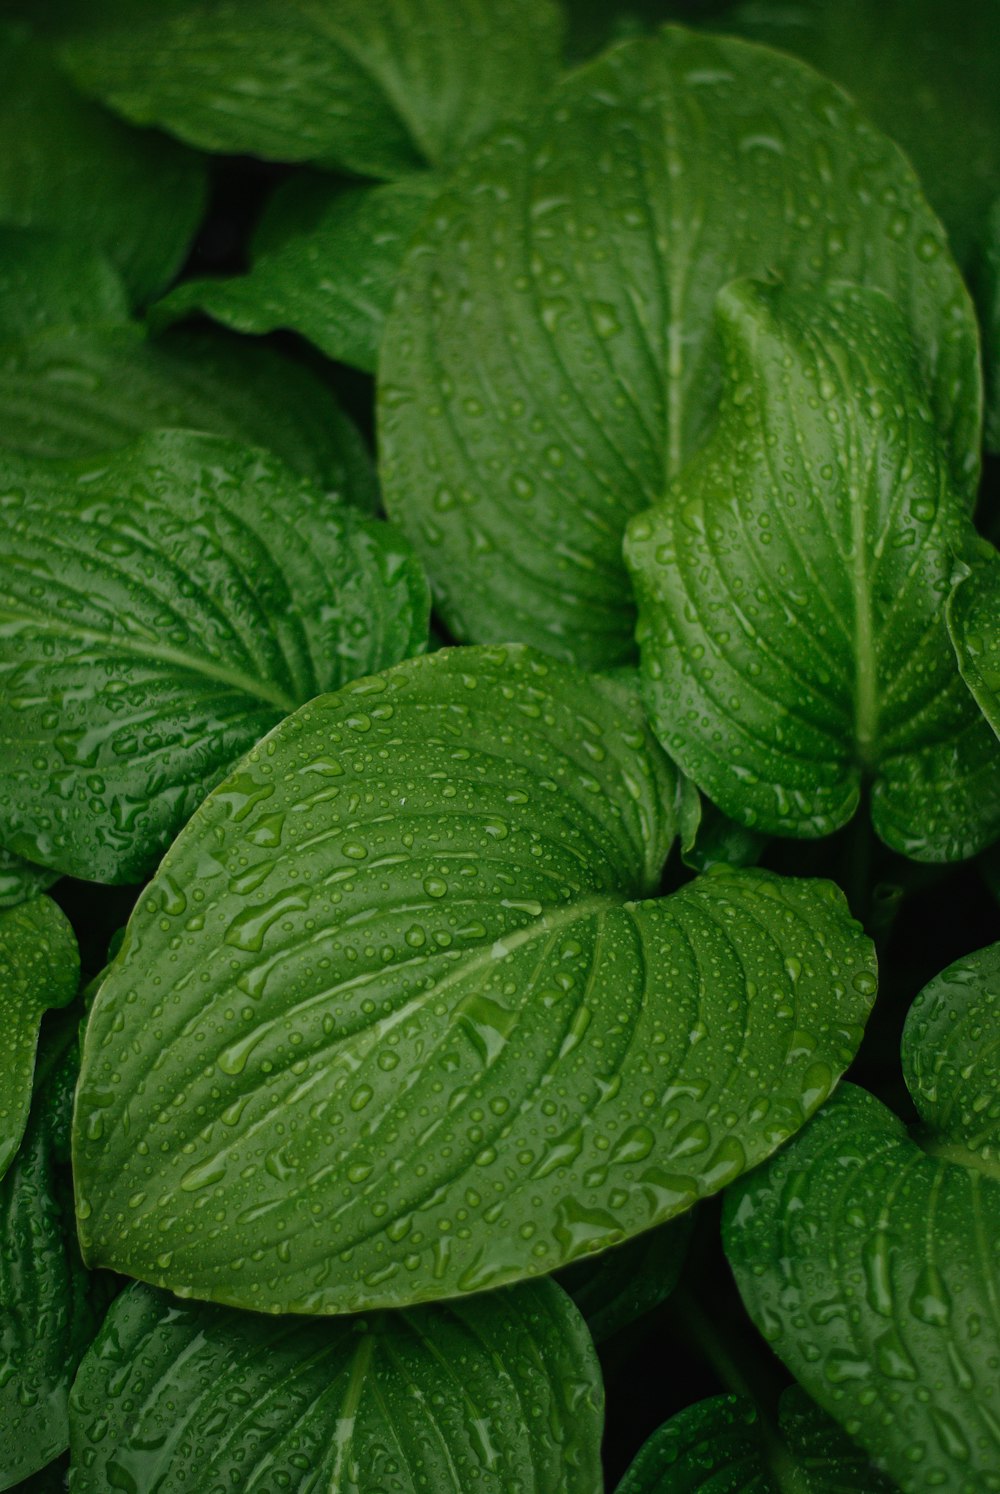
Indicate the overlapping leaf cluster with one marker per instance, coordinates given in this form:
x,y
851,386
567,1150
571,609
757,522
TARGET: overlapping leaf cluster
x,y
451,987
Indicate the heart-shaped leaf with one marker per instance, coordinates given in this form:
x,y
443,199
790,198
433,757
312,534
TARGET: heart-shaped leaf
x,y
39,970
67,165
380,87
551,361
974,624
499,1393
427,1040
869,1259
792,587
620,1285
48,280
329,270
209,591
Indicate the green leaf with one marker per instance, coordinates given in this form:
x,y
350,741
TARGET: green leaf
x,y
924,72
332,280
380,87
716,840
50,1306
211,591
499,1393
615,1288
551,361
66,165
431,1032
974,625
869,1258
82,391
39,969
988,299
792,587
21,880
47,280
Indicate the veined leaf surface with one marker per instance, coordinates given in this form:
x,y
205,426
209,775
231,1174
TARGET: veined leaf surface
x,y
160,610
432,1032
381,87
49,280
870,1259
792,587
974,624
551,361
620,1285
496,1394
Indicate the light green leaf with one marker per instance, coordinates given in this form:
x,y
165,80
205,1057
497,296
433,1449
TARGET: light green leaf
x,y
988,299
39,970
924,72
381,87
615,1288
81,391
974,625
160,610
47,280
67,165
432,1033
50,1306
792,587
21,880
332,280
497,1394
551,360
869,1259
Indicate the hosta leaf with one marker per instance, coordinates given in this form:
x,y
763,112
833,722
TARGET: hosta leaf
x,y
792,587
330,274
160,610
615,1288
21,880
69,166
988,298
870,1259
551,361
39,969
974,624
378,86
47,280
50,1306
497,1394
80,391
427,1041
925,72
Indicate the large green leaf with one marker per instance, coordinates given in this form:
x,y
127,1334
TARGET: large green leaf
x,y
924,71
870,1258
39,969
620,1285
21,880
551,361
160,610
378,86
49,1305
69,166
974,624
81,391
497,1394
988,298
427,1040
792,587
47,279
328,269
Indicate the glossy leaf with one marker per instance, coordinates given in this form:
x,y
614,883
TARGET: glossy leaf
x,y
988,298
47,280
792,587
551,359
974,624
21,880
428,1042
332,281
869,1259
380,87
39,969
82,391
499,1393
69,166
210,591
612,1290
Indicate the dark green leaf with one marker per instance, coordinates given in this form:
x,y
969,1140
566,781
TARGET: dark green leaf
x,y
380,87
47,280
333,282
82,391
716,840
427,1041
67,165
21,880
615,1288
39,969
160,610
792,587
988,298
498,1394
551,361
974,624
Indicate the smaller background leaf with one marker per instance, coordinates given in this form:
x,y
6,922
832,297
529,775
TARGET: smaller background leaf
x,y
615,1288
974,624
